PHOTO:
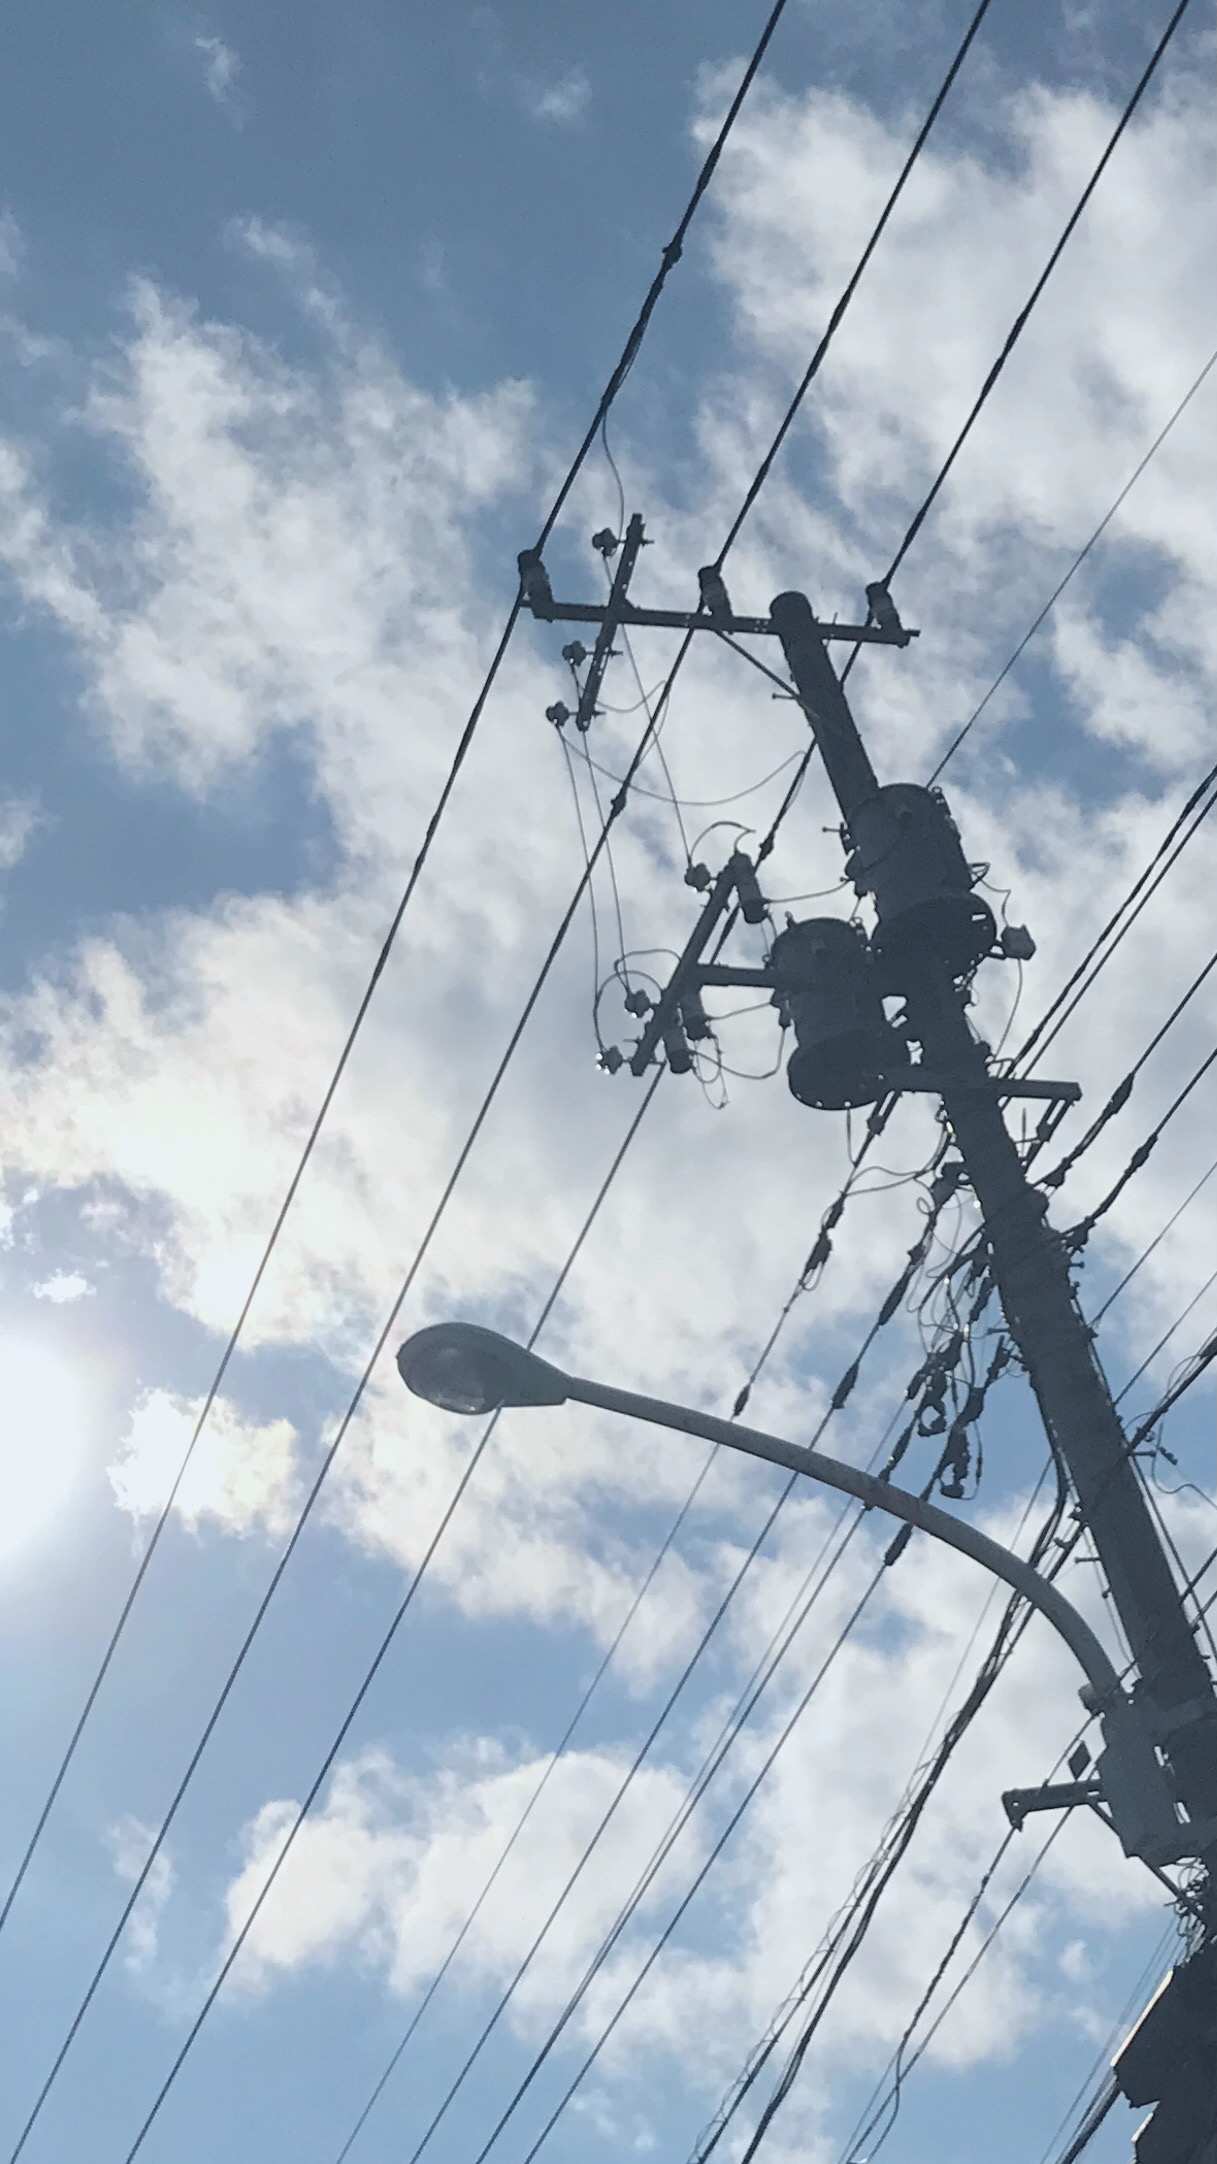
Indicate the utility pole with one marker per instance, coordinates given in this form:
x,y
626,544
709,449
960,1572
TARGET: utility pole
x,y
907,857
829,980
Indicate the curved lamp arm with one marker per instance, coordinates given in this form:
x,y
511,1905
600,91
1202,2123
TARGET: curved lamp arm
x,y
878,1495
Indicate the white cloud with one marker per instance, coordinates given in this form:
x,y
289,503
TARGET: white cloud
x,y
221,72
242,1477
389,1867
563,102
12,245
304,557
129,1841
19,819
63,1286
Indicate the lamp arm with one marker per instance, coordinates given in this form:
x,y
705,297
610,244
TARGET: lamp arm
x,y
877,1495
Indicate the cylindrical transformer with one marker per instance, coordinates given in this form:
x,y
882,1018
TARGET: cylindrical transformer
x,y
826,981
908,856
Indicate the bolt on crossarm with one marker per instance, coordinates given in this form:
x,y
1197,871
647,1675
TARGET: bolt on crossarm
x,y
931,930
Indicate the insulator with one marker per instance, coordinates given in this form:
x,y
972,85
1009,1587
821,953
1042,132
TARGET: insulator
x,y
534,581
605,542
753,907
714,596
698,876
575,653
637,1001
558,713
827,983
908,856
694,1019
883,609
610,1059
1016,943
675,1044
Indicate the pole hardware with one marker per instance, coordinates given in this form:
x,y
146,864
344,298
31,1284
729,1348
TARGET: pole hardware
x,y
713,614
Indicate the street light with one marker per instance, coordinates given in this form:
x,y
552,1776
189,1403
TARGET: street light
x,y
464,1368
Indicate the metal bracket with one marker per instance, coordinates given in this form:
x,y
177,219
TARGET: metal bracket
x,y
928,1082
1019,1803
537,595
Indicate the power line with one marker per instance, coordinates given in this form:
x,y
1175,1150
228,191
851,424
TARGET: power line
x,y
176,1800
1165,856
1081,1232
1074,567
1155,1243
913,1816
670,257
348,1416
1124,1089
837,1400
779,1646
899,2068
813,366
872,1885
1167,1335
1020,322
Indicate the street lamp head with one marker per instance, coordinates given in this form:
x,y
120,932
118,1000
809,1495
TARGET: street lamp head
x,y
463,1368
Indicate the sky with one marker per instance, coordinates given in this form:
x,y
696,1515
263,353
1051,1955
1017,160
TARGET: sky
x,y
305,312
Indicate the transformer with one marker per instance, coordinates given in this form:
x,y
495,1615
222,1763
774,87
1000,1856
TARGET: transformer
x,y
826,982
908,856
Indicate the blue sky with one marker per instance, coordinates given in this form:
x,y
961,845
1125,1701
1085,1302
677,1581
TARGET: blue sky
x,y
303,316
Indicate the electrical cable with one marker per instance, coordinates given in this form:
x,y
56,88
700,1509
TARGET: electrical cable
x,y
1155,1243
1136,895
669,258
168,1819
1167,1335
1023,316
591,889
1074,567
899,2067
779,1646
1080,1233
692,803
1099,2067
838,1399
1013,1622
814,365
945,1751
347,1418
871,1883
1196,1366
1124,1089
1098,2111
551,1765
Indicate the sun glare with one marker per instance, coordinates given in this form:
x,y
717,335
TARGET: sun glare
x,y
43,1420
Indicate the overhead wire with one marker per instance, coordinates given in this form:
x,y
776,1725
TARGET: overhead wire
x,y
883,2103
941,1758
670,257
1074,568
1022,318
779,1646
1080,1233
1155,1243
835,1404
814,365
1165,856
348,1416
652,723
